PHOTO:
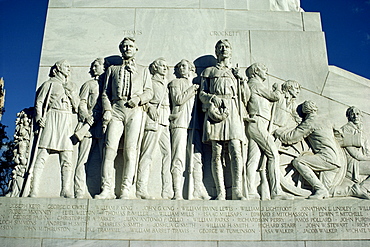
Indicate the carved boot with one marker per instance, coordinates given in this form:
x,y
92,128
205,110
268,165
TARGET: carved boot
x,y
67,179
218,177
320,191
200,192
107,193
355,190
177,186
35,182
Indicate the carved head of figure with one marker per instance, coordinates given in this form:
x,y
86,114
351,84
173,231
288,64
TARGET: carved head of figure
x,y
257,70
223,49
354,115
128,48
60,68
291,87
97,67
158,66
309,107
184,69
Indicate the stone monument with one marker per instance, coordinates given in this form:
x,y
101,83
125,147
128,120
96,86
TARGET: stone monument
x,y
229,112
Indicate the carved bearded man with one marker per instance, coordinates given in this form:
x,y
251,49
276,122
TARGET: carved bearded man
x,y
127,88
56,100
223,125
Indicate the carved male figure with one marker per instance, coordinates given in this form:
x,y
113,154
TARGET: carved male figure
x,y
286,107
223,125
326,157
358,158
56,99
89,128
259,108
127,88
156,132
185,132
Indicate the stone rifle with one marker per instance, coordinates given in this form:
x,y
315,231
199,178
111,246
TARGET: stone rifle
x,y
265,191
28,178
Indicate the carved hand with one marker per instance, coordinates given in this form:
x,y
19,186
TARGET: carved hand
x,y
195,87
90,120
134,102
216,101
42,122
107,116
236,73
153,113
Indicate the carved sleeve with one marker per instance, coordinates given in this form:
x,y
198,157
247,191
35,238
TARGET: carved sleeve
x,y
267,93
107,91
356,153
204,94
147,94
295,135
180,97
83,112
40,99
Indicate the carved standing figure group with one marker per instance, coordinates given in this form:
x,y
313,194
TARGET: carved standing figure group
x,y
247,124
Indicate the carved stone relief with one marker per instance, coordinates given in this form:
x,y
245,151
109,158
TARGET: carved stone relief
x,y
224,123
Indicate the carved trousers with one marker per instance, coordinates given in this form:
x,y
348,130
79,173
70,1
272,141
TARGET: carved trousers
x,y
128,122
261,140
308,164
182,150
236,162
84,148
150,141
65,159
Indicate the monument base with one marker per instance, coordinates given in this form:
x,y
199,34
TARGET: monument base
x,y
300,222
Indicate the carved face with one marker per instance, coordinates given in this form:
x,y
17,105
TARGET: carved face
x,y
162,67
223,50
355,116
294,91
262,72
97,69
65,69
184,69
128,49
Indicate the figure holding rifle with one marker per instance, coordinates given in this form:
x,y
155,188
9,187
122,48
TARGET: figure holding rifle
x,y
185,132
223,125
259,108
56,100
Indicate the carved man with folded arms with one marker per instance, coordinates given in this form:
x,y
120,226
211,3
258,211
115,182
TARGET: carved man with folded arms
x,y
156,133
185,131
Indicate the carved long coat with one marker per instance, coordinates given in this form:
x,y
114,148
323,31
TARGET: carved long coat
x,y
219,81
58,125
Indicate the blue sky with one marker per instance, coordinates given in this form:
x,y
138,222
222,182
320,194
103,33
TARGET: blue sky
x,y
346,24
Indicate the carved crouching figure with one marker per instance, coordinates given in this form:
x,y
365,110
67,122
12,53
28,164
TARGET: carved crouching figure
x,y
56,99
185,132
223,123
156,133
326,157
89,129
127,88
